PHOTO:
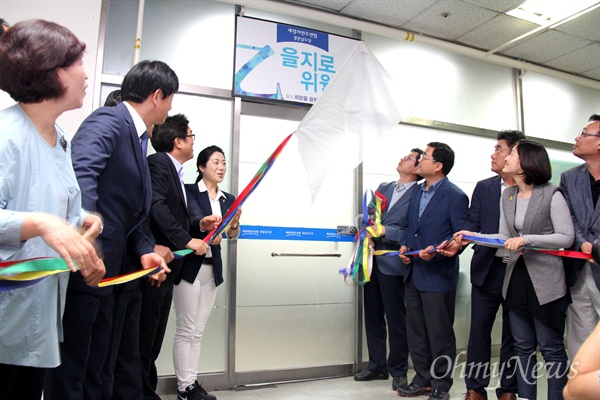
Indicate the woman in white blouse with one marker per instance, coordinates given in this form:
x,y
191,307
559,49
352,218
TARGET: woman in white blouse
x,y
194,296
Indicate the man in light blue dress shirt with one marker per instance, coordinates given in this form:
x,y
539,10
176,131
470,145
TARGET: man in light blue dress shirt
x,y
384,293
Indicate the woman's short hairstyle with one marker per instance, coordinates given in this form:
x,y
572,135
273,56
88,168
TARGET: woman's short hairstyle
x,y
203,158
31,53
163,136
535,162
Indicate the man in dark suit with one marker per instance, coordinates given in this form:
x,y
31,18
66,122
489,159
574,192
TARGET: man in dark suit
x,y
581,187
487,277
170,223
110,164
437,210
384,293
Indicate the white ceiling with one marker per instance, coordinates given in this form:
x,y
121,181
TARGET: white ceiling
x,y
573,47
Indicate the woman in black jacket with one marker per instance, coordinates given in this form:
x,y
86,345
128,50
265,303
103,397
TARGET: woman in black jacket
x,y
195,295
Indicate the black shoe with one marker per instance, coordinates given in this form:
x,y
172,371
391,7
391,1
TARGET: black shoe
x,y
398,382
413,391
439,395
190,393
367,375
204,395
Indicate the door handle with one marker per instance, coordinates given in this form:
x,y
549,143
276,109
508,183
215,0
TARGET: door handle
x,y
336,254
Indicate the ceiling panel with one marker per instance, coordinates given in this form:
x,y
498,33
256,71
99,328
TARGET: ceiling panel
x,y
497,31
334,5
580,60
571,47
388,12
587,26
496,5
546,46
593,73
450,19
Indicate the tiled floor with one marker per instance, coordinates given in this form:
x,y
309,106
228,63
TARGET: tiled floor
x,y
340,388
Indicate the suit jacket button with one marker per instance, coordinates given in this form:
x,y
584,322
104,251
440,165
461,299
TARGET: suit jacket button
x,y
136,214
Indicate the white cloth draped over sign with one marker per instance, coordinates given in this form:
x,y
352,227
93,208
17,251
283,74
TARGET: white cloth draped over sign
x,y
355,110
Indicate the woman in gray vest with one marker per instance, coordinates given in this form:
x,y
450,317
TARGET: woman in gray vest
x,y
534,213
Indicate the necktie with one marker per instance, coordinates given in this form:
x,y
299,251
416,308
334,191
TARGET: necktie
x,y
144,139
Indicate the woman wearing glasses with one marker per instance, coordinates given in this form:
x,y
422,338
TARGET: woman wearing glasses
x,y
534,213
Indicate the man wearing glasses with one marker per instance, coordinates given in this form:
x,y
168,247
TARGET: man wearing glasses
x,y
384,293
170,223
487,277
581,187
437,209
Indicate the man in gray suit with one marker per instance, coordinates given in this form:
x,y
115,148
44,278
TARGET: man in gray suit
x,y
581,186
384,294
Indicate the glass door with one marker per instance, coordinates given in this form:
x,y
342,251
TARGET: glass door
x,y
295,316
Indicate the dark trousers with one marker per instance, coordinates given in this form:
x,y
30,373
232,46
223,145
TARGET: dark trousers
x,y
384,301
544,328
431,340
485,302
21,383
156,305
87,324
122,372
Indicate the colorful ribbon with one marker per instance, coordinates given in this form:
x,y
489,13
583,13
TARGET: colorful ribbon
x,y
22,273
258,177
491,242
181,253
116,280
361,263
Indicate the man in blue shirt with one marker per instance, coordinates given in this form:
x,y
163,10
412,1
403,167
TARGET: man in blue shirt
x,y
437,210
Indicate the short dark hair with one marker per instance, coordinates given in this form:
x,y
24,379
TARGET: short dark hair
x,y
511,137
444,154
204,156
113,98
535,162
420,152
4,25
31,53
594,117
145,78
164,135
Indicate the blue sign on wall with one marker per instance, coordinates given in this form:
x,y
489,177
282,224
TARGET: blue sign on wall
x,y
284,62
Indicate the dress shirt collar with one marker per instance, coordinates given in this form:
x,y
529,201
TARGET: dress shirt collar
x,y
433,187
202,188
138,122
178,166
405,186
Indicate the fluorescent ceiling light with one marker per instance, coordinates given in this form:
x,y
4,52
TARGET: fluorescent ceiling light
x,y
548,12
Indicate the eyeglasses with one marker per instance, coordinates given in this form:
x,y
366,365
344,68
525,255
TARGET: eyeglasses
x,y
426,157
408,158
582,133
193,136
